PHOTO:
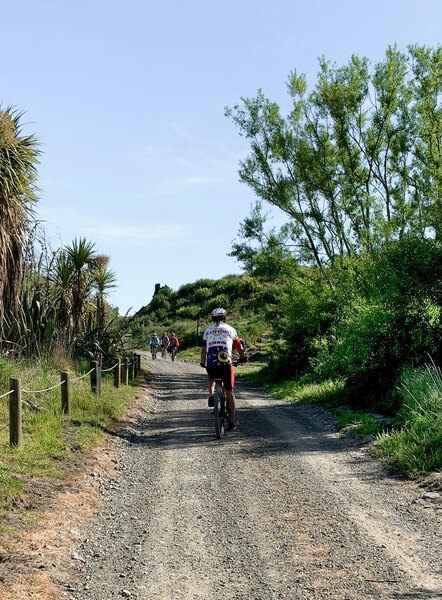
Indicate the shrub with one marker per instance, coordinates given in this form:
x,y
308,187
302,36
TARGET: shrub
x,y
417,446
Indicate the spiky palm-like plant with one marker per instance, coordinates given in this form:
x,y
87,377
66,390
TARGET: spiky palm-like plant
x,y
18,159
61,275
81,257
104,281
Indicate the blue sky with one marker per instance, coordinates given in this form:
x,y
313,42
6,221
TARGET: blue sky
x,y
127,100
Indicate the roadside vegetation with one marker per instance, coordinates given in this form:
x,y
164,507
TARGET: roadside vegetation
x,y
52,443
54,316
341,305
346,296
415,446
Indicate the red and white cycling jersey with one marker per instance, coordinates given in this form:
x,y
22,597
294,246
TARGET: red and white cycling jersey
x,y
219,339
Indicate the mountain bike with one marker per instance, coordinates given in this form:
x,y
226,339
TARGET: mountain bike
x,y
173,353
163,352
154,351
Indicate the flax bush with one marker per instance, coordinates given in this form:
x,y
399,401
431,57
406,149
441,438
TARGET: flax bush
x,y
416,447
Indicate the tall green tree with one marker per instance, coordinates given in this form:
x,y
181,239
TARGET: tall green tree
x,y
356,162
18,160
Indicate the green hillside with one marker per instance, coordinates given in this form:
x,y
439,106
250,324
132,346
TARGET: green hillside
x,y
251,303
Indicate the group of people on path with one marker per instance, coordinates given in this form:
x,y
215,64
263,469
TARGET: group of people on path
x,y
164,343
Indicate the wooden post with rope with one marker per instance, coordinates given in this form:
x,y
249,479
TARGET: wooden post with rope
x,y
65,393
15,413
117,373
125,372
95,377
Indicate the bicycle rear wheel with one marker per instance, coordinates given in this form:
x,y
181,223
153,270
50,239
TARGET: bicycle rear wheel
x,y
219,411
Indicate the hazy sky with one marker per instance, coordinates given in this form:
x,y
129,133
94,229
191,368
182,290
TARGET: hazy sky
x,y
127,98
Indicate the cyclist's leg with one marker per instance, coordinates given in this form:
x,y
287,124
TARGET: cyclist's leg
x,y
229,382
211,386
212,375
231,403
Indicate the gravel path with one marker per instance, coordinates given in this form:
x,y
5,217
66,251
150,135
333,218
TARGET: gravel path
x,y
284,507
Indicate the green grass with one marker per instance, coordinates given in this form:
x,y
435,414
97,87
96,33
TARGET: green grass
x,y
190,354
10,488
415,447
51,441
327,393
358,422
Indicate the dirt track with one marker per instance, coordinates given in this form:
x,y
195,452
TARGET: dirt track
x,y
282,508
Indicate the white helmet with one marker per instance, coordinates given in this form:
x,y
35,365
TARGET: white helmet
x,y
218,314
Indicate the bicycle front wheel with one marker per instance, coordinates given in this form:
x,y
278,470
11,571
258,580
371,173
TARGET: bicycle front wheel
x,y
219,416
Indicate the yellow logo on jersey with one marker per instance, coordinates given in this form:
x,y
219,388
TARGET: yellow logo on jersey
x,y
223,357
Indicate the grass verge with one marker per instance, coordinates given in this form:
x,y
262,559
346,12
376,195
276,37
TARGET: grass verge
x,y
51,441
363,424
326,393
415,446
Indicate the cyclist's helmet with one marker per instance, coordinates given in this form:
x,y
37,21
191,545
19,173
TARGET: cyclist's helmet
x,y
218,314
173,334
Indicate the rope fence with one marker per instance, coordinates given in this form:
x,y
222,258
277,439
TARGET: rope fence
x,y
48,389
123,370
109,369
82,376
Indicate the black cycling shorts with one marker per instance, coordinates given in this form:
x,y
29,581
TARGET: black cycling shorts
x,y
224,372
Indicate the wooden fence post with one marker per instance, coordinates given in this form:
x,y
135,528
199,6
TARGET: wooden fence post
x,y
139,361
65,393
135,361
131,368
15,413
99,378
125,373
95,377
117,373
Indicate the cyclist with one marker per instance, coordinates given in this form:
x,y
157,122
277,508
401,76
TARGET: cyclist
x,y
174,343
219,340
154,343
164,342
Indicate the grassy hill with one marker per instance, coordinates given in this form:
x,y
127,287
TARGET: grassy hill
x,y
251,304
